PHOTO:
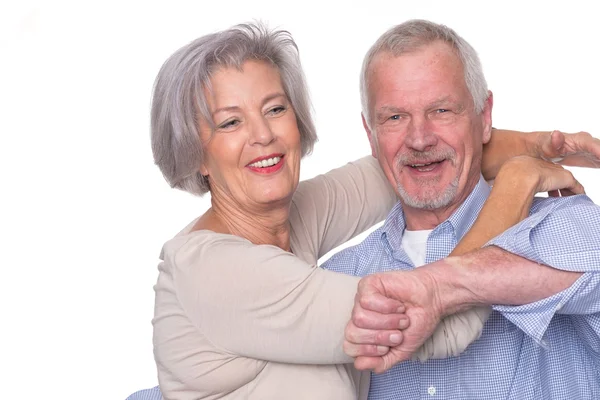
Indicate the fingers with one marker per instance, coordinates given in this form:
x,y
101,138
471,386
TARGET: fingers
x,y
553,178
369,363
550,146
368,319
356,335
569,185
575,188
377,302
382,363
580,150
557,140
364,350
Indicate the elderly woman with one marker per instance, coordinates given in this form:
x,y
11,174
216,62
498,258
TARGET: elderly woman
x,y
242,310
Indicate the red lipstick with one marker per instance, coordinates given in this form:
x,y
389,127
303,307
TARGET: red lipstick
x,y
267,169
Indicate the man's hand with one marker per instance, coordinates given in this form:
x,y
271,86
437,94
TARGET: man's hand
x,y
572,149
370,324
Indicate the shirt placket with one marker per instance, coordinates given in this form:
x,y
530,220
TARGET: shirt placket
x,y
438,376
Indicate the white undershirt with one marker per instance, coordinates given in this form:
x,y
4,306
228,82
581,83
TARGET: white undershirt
x,y
414,243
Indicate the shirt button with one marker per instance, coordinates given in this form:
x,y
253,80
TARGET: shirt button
x,y
431,391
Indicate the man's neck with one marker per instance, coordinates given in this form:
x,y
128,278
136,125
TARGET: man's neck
x,y
419,219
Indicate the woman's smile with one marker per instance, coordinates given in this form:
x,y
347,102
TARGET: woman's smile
x,y
266,165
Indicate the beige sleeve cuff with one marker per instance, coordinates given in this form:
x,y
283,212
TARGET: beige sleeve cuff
x,y
454,334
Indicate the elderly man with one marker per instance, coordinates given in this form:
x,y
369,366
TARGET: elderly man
x,y
427,112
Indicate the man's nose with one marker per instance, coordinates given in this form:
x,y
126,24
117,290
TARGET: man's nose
x,y
420,136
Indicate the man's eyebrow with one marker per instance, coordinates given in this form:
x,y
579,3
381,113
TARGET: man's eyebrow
x,y
442,101
386,110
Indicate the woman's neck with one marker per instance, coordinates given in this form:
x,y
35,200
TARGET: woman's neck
x,y
268,225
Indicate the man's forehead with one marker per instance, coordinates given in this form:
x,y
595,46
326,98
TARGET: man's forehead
x,y
430,75
423,56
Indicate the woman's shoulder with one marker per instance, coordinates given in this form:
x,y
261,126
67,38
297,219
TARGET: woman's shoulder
x,y
205,249
202,242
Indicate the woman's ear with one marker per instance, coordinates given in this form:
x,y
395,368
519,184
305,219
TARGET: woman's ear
x,y
203,170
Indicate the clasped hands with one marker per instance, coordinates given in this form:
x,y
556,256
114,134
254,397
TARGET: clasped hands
x,y
394,314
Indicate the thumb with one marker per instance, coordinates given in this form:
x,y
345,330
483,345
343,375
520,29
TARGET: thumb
x,y
556,143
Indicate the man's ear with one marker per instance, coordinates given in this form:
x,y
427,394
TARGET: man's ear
x,y
486,114
372,139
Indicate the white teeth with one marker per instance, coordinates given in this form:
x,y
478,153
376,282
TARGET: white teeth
x,y
265,163
426,167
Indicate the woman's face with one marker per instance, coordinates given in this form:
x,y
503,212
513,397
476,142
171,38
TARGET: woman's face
x,y
253,156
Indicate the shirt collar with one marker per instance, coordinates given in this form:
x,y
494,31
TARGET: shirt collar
x,y
460,221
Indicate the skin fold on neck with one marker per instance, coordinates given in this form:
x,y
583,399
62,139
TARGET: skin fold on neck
x,y
261,225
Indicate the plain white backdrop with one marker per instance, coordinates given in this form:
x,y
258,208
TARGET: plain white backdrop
x,y
84,212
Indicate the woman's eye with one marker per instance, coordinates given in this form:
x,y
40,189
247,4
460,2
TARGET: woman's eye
x,y
229,124
276,110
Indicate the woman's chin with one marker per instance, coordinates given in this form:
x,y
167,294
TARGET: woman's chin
x,y
276,197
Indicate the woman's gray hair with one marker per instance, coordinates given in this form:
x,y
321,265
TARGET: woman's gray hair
x,y
414,34
179,99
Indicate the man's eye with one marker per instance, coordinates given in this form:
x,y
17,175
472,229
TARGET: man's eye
x,y
441,110
395,117
229,124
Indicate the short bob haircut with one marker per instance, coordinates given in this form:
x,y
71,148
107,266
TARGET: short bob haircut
x,y
179,99
411,36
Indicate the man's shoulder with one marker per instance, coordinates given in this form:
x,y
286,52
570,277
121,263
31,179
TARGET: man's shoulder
x,y
545,204
352,259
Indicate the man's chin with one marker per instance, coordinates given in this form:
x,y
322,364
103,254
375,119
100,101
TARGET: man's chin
x,y
432,200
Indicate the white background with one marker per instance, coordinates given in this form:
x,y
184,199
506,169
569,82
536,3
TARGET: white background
x,y
84,211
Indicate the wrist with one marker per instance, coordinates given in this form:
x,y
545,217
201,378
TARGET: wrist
x,y
533,143
450,279
515,177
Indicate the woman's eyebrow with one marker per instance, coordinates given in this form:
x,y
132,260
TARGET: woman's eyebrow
x,y
273,96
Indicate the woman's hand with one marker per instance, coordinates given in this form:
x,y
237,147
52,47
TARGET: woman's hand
x,y
573,149
541,176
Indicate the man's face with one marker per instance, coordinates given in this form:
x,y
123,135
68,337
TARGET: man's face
x,y
424,129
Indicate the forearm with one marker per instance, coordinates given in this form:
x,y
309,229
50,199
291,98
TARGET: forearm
x,y
494,276
504,145
508,203
336,206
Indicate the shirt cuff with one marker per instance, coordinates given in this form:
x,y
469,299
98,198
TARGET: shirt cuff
x,y
534,318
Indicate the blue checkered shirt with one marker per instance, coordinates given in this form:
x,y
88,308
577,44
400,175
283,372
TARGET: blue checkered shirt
x,y
146,394
545,350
